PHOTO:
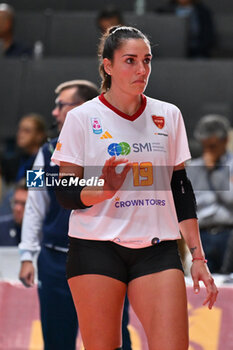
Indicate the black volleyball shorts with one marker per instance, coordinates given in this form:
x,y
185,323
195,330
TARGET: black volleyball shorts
x,y
124,264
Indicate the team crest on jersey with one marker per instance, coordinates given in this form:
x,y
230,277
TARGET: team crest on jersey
x,y
96,126
159,121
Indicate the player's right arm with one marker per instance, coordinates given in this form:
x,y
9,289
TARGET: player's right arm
x,y
35,211
91,195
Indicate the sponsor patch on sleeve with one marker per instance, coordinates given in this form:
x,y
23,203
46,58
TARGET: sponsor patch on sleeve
x,y
58,146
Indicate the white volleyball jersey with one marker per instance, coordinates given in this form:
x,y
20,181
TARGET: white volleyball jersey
x,y
142,212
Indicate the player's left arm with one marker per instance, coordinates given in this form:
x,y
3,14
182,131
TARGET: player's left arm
x,y
185,204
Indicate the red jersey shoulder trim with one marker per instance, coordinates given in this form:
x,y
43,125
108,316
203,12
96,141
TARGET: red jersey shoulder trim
x,y
122,114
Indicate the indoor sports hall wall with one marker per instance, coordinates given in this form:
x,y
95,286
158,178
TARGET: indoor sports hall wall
x,y
196,87
169,32
129,5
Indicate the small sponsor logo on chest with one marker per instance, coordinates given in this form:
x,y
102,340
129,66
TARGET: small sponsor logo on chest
x,y
96,125
106,135
159,121
123,148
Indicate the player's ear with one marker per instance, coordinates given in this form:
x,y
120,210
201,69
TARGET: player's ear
x,y
107,66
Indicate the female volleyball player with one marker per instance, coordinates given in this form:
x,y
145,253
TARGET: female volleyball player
x,y
123,234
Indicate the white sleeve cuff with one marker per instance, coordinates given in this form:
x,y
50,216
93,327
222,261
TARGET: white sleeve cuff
x,y
27,255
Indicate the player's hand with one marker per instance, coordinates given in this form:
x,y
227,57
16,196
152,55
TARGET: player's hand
x,y
200,272
27,273
114,180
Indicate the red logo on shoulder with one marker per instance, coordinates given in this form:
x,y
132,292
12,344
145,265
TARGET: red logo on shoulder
x,y
159,121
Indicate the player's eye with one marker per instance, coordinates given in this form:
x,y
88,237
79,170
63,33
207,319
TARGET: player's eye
x,y
129,60
147,60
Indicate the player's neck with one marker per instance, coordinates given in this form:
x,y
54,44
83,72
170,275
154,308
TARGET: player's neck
x,y
126,103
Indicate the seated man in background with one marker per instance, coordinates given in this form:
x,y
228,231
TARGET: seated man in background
x,y
10,225
201,29
108,17
8,46
212,179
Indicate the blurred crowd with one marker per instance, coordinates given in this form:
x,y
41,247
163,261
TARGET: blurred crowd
x,y
43,225
201,28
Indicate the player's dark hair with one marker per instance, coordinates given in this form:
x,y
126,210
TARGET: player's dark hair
x,y
112,41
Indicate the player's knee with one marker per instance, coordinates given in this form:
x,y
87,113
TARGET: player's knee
x,y
108,348
103,344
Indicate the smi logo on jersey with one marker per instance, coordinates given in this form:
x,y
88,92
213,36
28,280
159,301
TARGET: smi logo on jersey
x,y
123,148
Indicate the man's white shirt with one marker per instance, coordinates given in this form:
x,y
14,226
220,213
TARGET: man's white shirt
x,y
35,210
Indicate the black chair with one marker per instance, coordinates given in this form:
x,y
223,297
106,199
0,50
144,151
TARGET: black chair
x,y
10,91
217,6
70,5
37,5
223,6
96,5
31,27
73,34
224,28
152,5
167,33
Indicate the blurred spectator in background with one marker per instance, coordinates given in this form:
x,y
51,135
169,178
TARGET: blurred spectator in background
x,y
31,134
201,29
45,228
212,179
10,225
8,46
109,17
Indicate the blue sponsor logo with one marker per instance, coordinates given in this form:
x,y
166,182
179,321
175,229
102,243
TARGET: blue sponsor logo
x,y
35,178
116,149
